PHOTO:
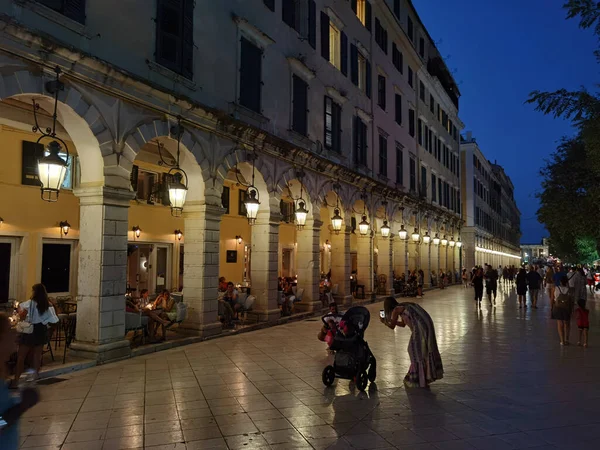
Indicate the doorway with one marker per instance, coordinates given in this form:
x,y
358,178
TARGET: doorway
x,y
286,263
148,267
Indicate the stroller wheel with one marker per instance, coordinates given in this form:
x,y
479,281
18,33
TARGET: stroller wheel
x,y
328,375
372,370
361,381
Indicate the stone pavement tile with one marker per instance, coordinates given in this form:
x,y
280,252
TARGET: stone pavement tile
x,y
248,441
466,430
330,443
207,432
163,438
89,445
496,427
226,410
127,412
425,446
195,413
293,446
172,446
123,421
522,440
207,444
434,434
199,422
453,445
490,443
84,436
130,430
93,424
48,428
366,441
238,428
164,426
306,421
402,437
46,439
124,442
284,436
265,414
318,432
272,424
195,404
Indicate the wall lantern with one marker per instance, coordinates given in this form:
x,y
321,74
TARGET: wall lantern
x,y
137,231
436,240
239,239
416,236
451,242
444,240
1,220
426,238
178,234
385,229
177,184
51,168
64,227
402,234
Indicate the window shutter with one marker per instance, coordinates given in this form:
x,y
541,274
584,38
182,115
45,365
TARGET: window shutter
x,y
355,138
312,23
270,4
337,127
397,8
169,34
368,19
250,75
324,35
32,152
288,12
133,178
354,64
384,36
300,105
75,9
188,39
353,5
344,53
368,79
398,109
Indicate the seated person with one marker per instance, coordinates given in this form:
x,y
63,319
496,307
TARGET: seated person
x,y
331,322
222,284
231,306
154,318
160,307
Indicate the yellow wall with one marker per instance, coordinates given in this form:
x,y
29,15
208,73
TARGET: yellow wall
x,y
233,225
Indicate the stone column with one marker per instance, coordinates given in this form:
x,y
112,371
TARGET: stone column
x,y
102,274
265,259
201,266
308,262
399,256
340,266
364,250
385,261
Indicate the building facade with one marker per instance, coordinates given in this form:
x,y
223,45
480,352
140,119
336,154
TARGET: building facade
x,y
346,107
492,221
535,252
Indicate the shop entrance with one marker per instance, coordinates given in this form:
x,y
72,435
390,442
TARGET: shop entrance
x,y
148,267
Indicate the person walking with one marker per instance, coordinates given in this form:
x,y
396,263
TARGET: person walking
x,y
533,281
477,282
505,275
39,313
522,287
561,310
465,278
549,282
582,316
491,283
425,361
590,281
577,283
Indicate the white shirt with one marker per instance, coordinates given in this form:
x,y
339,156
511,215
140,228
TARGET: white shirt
x,y
34,316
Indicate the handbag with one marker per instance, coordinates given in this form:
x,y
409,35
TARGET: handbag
x,y
25,326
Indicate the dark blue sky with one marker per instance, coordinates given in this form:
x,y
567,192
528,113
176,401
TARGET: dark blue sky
x,y
499,52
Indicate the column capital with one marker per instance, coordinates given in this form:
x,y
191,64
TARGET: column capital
x,y
104,195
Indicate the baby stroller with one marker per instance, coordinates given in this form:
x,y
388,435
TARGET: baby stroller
x,y
353,358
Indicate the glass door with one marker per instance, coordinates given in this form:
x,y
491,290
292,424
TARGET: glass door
x,y
161,266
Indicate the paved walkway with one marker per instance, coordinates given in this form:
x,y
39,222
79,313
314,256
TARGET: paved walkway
x,y
508,385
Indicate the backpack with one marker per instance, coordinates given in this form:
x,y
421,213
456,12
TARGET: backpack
x,y
563,300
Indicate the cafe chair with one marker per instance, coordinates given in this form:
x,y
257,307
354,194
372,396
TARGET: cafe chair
x,y
136,322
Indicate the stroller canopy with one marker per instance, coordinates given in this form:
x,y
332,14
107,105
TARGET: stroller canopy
x,y
358,316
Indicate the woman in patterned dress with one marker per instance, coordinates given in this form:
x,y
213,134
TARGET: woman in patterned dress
x,y
425,360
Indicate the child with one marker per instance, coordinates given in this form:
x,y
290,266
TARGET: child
x,y
583,322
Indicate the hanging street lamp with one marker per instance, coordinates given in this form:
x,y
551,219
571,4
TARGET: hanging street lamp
x,y
426,238
363,226
444,240
385,229
177,178
402,234
52,168
459,243
252,202
416,236
452,242
336,221
436,240
301,211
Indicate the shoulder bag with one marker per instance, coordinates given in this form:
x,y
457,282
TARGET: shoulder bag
x,y
25,326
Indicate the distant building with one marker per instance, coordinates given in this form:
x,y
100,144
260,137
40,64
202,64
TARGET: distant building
x,y
531,252
491,220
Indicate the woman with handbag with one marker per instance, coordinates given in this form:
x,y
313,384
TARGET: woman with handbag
x,y
562,308
35,316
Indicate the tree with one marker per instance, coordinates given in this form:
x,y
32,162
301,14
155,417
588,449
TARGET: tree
x,y
572,174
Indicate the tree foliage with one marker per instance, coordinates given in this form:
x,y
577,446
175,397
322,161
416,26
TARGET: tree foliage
x,y
571,176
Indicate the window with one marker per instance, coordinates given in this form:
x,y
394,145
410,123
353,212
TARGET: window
x,y
381,36
381,92
424,181
360,70
410,76
287,210
300,15
147,186
425,136
73,9
334,46
250,75
411,122
360,142
440,192
242,196
398,109
410,29
422,47
433,188
56,267
420,130
299,105
413,174
397,8
174,34
422,91
225,199
362,9
333,129
382,155
431,104
399,164
397,58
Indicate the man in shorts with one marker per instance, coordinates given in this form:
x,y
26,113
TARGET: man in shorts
x,y
491,283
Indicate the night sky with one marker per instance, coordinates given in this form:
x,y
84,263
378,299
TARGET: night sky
x,y
499,52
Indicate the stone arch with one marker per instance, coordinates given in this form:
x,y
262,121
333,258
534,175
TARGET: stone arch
x,y
264,167
290,182
79,117
191,149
